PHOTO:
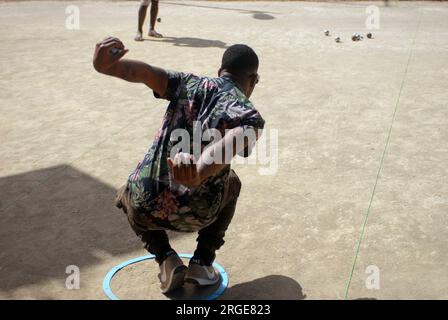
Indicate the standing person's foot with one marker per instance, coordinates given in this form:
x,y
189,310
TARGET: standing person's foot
x,y
201,274
138,36
172,272
155,34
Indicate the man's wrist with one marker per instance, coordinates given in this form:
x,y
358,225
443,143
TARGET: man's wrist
x,y
108,70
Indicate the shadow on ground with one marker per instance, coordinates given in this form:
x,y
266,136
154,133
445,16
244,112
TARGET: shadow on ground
x,y
256,14
192,42
55,217
262,16
274,287
60,216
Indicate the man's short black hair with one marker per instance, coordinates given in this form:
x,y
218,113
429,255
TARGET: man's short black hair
x,y
240,58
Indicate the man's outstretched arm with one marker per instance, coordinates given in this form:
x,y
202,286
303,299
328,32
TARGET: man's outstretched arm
x,y
107,60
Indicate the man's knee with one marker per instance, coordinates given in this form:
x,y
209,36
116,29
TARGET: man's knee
x,y
120,198
234,185
155,2
144,3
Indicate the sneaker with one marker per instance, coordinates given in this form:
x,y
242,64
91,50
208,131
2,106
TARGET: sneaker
x,y
172,273
200,274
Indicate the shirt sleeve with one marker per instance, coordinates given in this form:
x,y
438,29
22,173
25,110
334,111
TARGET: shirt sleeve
x,y
251,117
176,80
252,120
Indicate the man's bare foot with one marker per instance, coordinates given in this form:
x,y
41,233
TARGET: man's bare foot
x,y
138,36
155,34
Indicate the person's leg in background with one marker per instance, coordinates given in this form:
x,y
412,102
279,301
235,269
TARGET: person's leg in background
x,y
211,238
141,19
152,24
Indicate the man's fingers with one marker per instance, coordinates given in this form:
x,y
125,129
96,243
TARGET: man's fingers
x,y
110,38
182,167
194,171
183,171
176,159
118,44
102,41
170,163
120,54
187,163
112,44
191,167
190,172
173,168
184,159
187,172
106,42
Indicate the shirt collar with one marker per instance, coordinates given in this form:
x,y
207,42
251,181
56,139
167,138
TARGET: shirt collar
x,y
230,79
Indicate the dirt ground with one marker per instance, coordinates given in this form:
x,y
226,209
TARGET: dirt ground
x,y
362,148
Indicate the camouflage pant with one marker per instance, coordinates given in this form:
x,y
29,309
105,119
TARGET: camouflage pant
x,y
211,237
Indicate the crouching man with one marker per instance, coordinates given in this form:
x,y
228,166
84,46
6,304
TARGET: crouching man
x,y
193,188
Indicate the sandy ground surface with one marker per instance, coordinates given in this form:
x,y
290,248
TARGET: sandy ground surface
x,y
362,131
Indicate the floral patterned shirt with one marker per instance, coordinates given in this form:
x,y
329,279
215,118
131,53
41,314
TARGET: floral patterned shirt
x,y
213,103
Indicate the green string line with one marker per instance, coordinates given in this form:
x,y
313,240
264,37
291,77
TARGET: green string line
x,y
381,163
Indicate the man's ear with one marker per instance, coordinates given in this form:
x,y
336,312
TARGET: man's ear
x,y
219,72
253,80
